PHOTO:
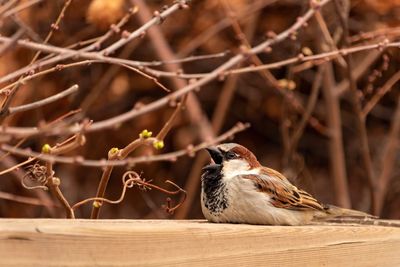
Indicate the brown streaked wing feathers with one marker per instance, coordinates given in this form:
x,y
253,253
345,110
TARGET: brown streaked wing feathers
x,y
283,193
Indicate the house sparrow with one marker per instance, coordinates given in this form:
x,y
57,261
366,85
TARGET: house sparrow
x,y
236,188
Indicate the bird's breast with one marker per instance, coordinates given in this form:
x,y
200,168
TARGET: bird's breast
x,y
214,191
237,200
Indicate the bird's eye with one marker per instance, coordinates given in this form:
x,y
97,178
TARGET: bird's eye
x,y
230,155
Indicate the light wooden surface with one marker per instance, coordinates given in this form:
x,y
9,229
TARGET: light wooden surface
x,y
59,242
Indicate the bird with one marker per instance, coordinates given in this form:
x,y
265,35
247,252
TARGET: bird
x,y
236,188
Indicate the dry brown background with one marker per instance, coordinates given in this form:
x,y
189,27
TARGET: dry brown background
x,y
106,91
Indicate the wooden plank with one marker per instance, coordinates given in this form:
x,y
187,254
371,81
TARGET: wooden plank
x,y
59,242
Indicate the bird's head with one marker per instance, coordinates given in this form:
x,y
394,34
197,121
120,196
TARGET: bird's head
x,y
233,156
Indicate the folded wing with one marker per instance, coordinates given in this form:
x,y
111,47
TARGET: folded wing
x,y
282,193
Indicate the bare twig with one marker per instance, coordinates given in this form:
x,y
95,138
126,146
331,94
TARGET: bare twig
x,y
333,116
336,148
190,87
44,175
15,167
388,159
25,200
358,71
317,58
218,118
8,162
7,6
297,133
128,161
360,120
14,40
20,7
208,33
165,53
380,93
158,18
120,154
43,102
135,179
54,27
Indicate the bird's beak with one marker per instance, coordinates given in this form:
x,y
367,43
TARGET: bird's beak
x,y
215,154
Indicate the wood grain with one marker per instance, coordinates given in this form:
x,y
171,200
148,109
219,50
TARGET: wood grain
x,y
58,242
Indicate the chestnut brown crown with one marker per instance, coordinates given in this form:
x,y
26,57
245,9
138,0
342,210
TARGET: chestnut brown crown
x,y
232,151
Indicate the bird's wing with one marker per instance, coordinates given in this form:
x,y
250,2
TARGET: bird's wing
x,y
282,193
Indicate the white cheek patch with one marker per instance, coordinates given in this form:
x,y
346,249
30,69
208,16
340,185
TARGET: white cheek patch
x,y
236,167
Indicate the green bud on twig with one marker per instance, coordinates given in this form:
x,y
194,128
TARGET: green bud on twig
x,y
145,134
46,148
96,204
159,144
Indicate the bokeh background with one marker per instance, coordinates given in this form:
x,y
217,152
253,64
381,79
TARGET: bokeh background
x,y
206,27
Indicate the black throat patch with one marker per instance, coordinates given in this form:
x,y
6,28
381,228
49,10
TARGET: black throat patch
x,y
214,189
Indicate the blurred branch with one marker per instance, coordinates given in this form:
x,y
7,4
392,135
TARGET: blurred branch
x,y
158,18
191,86
44,175
43,102
29,32
65,53
52,182
54,27
317,58
222,106
165,53
380,93
17,166
360,120
10,95
12,42
142,184
107,83
8,5
128,161
20,7
336,148
120,154
202,38
25,200
298,132
358,71
388,159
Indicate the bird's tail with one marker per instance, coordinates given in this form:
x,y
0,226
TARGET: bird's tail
x,y
335,214
332,212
